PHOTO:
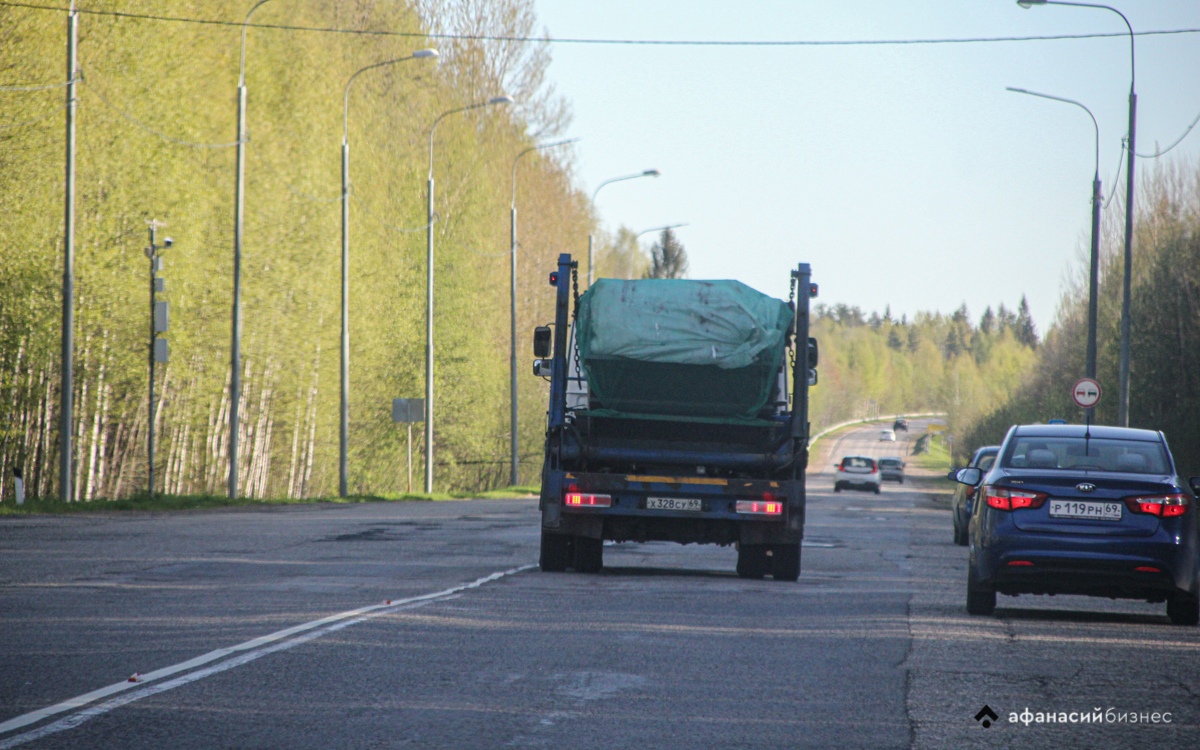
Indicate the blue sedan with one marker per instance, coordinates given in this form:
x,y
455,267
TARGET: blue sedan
x,y
1098,511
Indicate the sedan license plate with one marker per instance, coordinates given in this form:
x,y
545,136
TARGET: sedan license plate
x,y
674,503
1090,510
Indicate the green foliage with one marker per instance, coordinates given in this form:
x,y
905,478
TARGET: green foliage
x,y
873,364
621,257
144,80
1165,340
668,258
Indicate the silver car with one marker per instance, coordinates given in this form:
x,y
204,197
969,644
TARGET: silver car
x,y
891,468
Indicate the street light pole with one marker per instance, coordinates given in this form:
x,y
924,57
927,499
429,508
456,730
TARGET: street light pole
x,y
344,419
235,357
514,458
591,238
1127,283
429,287
67,381
1094,270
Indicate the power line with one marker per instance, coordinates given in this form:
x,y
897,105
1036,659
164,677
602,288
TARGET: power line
x,y
1113,185
393,227
36,87
39,118
92,87
1173,145
631,42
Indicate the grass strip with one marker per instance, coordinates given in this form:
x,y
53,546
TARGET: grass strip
x,y
167,502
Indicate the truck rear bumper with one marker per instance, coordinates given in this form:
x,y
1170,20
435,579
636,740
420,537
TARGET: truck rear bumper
x,y
715,520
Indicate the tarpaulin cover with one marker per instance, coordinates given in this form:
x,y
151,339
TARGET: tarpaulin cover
x,y
681,347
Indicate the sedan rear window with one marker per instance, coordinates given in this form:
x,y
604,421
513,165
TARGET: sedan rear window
x,y
1079,454
858,462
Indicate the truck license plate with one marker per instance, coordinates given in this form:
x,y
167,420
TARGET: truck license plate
x,y
1077,509
674,503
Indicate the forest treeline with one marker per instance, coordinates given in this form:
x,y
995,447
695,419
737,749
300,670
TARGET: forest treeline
x,y
1165,338
156,120
157,105
873,364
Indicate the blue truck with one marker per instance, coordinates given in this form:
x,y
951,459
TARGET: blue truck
x,y
678,412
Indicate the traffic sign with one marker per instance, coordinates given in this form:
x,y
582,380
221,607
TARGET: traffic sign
x,y
1086,393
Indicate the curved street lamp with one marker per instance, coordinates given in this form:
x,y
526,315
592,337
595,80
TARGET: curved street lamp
x,y
591,236
1126,294
514,458
344,428
659,229
429,287
235,356
1094,271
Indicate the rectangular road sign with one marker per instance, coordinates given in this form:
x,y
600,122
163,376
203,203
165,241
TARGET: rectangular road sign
x,y
408,410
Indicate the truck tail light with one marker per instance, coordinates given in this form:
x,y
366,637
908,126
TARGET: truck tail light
x,y
760,507
587,500
1002,498
1163,506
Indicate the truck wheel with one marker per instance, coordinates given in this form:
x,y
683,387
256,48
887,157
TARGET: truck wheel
x,y
589,554
980,599
786,562
752,561
556,549
837,487
877,487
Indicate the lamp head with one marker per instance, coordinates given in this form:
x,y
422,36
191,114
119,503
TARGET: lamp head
x,y
425,53
651,173
1027,4
167,242
506,99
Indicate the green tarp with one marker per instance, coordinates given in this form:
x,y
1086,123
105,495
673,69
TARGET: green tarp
x,y
681,347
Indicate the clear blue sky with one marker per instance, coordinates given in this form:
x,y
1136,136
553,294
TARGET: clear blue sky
x,y
905,175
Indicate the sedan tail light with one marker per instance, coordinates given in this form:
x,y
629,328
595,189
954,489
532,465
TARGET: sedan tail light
x,y
1163,506
1003,498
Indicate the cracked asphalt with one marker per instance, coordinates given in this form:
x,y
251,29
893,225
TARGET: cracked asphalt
x,y
666,648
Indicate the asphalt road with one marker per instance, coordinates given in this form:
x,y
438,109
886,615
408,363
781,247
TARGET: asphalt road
x,y
666,648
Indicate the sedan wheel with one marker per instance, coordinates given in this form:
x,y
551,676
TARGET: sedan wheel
x,y
1183,608
980,599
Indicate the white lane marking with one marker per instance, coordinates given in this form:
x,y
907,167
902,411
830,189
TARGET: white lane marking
x,y
310,630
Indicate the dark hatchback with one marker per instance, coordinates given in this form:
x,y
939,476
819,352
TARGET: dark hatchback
x,y
1072,510
964,495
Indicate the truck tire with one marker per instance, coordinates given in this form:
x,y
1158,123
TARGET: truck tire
x,y
589,554
785,564
752,561
556,551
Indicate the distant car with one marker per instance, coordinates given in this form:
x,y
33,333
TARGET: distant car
x,y
887,436
964,495
891,468
1098,511
900,424
859,472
